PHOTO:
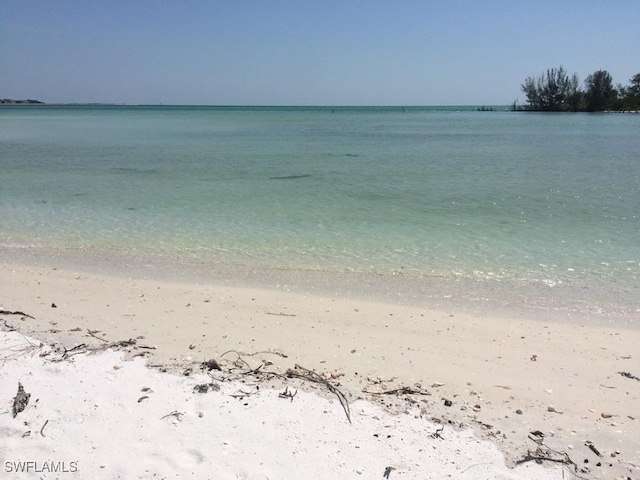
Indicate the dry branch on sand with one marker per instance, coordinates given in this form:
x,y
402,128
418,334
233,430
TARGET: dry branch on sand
x,y
399,391
311,376
21,314
63,353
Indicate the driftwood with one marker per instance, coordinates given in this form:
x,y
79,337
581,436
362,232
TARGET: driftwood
x,y
20,401
311,376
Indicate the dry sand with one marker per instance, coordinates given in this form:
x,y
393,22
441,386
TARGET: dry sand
x,y
503,378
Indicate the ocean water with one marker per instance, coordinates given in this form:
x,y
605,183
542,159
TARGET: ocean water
x,y
542,209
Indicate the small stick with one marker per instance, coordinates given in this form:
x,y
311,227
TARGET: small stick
x,y
399,391
7,312
629,375
42,429
312,376
92,333
175,413
593,448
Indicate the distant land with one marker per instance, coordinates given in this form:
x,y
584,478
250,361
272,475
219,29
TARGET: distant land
x,y
9,101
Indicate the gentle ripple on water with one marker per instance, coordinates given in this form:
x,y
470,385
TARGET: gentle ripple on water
x,y
529,199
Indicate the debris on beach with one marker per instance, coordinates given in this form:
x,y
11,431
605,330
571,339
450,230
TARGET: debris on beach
x,y
20,401
211,364
629,375
592,447
22,314
312,376
205,387
287,394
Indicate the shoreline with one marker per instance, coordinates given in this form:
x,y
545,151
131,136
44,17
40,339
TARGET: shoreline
x,y
562,377
535,301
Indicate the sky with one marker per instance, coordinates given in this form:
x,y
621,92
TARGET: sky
x,y
307,52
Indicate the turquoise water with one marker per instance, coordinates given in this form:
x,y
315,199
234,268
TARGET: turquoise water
x,y
516,199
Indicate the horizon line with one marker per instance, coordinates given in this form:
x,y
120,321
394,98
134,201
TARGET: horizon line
x,y
124,104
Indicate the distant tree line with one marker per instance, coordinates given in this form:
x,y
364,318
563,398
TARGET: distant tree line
x,y
10,101
556,91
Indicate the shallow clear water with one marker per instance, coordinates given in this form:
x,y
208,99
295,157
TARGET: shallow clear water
x,y
519,198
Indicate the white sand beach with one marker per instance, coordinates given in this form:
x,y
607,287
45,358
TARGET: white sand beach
x,y
432,394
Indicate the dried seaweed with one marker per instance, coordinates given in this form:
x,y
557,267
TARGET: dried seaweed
x,y
311,376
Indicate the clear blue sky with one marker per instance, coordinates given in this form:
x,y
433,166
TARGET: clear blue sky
x,y
299,52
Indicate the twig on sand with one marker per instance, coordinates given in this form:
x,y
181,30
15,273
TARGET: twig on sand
x,y
70,352
92,333
22,314
438,433
400,391
241,395
19,351
475,465
82,348
629,375
178,415
287,394
543,453
270,352
42,429
258,371
10,328
239,362
311,376
593,448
